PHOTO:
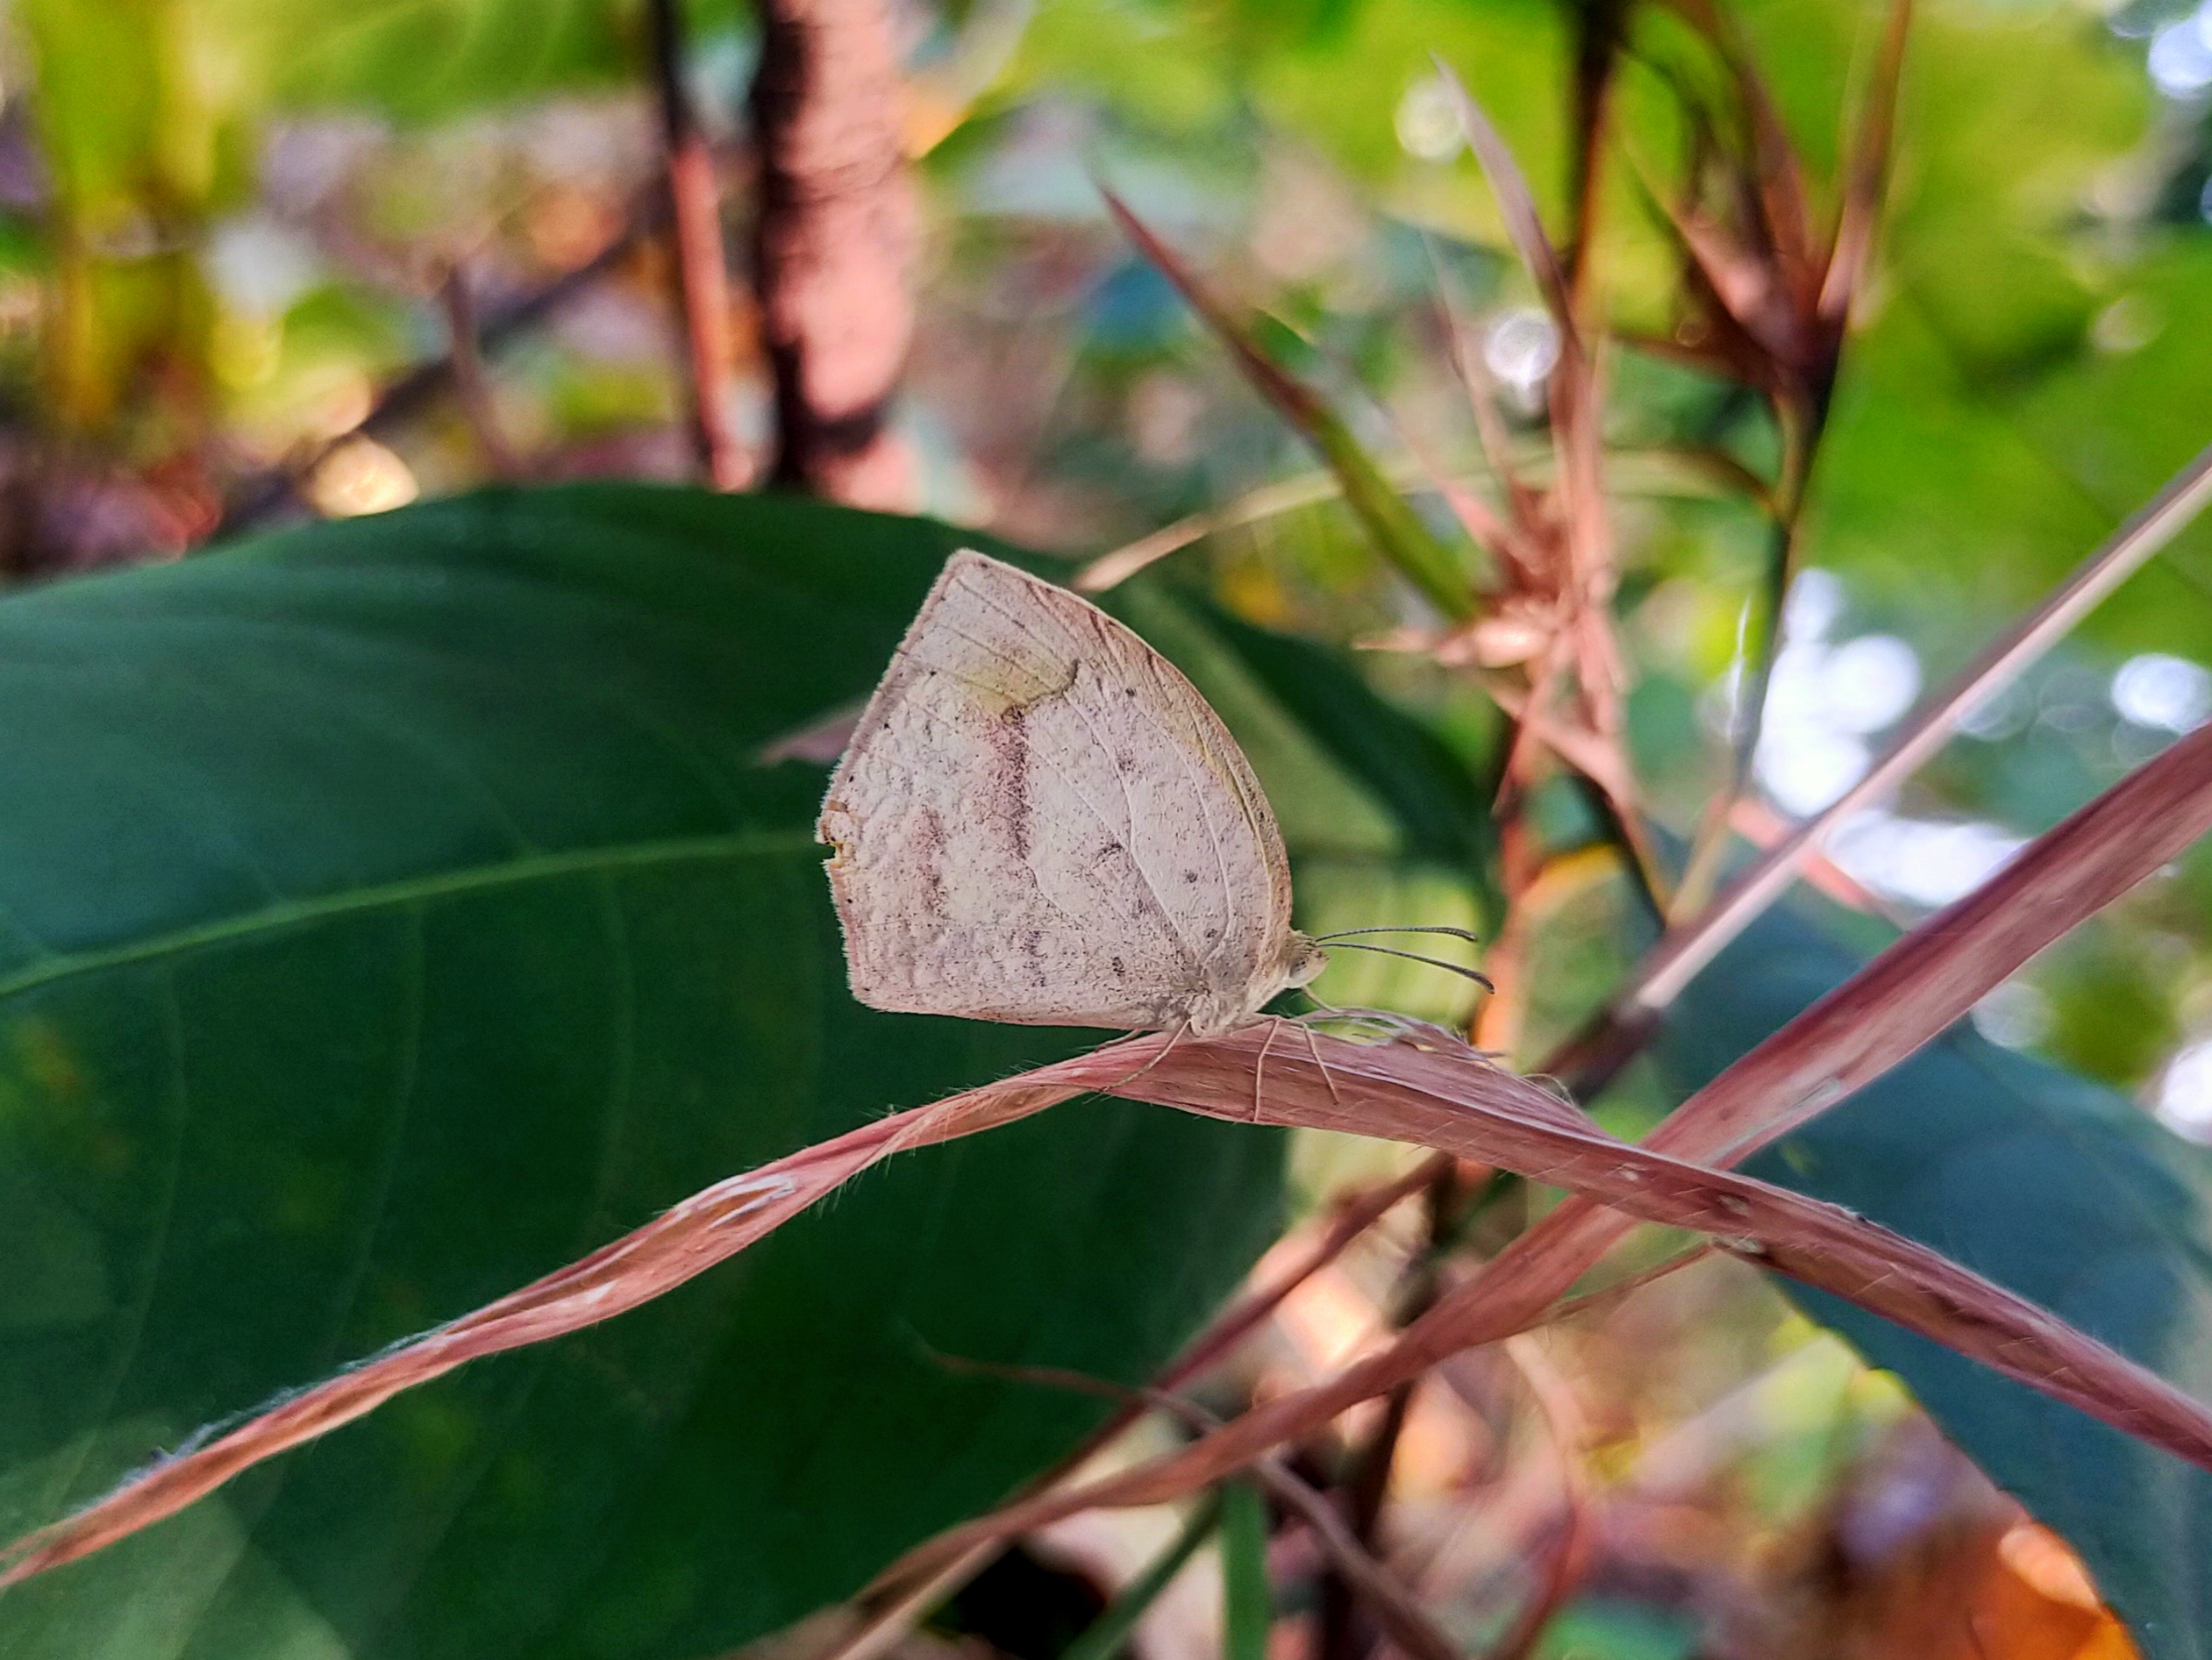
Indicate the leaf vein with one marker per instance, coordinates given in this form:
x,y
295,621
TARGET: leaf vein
x,y
477,879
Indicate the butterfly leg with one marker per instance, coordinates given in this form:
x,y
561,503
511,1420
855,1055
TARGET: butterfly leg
x,y
1396,1028
1313,1047
1260,1068
1166,1050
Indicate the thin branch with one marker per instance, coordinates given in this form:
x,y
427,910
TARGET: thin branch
x,y
884,1628
1516,202
833,243
1246,1315
1459,332
1610,1296
1583,579
702,269
1409,1627
1220,1337
1268,501
1563,1417
471,386
1685,952
403,400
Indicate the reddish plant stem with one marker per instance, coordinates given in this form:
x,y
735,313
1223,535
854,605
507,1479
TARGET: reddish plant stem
x,y
1451,1102
1414,1634
1570,1554
1451,1107
1365,1482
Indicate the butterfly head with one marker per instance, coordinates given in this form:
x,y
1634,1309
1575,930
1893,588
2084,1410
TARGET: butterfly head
x,y
1302,961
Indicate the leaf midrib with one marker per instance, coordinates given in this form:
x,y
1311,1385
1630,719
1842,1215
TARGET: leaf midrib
x,y
512,873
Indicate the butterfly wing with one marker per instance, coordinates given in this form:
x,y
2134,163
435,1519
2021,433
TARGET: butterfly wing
x,y
1039,819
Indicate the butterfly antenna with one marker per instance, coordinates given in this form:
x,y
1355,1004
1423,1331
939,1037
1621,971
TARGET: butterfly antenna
x,y
1468,934
1482,981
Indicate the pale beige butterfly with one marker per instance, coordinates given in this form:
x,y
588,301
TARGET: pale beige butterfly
x,y
1039,819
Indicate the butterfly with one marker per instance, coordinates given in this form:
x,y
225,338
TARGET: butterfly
x,y
1040,819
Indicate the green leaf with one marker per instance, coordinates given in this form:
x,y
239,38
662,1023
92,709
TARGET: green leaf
x,y
391,911
1247,1597
1105,1636
421,61
2060,1189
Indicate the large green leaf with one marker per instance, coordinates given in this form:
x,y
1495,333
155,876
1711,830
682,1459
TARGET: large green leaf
x,y
427,60
2050,1185
391,911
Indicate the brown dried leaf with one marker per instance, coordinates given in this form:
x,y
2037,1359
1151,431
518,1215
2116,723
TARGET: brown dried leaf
x,y
1867,174
1778,209
1484,1113
1516,202
1453,1102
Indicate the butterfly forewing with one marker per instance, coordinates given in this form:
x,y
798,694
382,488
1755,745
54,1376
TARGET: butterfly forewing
x,y
1039,819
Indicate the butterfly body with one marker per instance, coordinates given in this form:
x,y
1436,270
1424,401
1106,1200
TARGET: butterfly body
x,y
1039,819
